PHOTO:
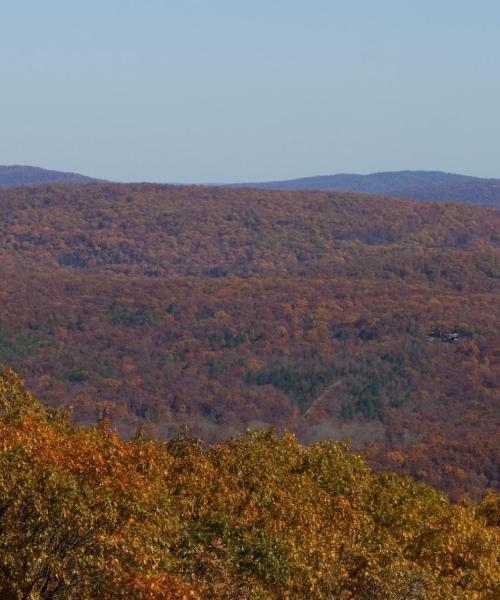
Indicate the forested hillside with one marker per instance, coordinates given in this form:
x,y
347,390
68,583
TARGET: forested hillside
x,y
86,515
419,185
328,314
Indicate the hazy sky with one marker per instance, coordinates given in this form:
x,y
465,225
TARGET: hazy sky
x,y
233,90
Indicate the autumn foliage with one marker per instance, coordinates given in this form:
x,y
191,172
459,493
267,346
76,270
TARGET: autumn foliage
x,y
330,315
84,514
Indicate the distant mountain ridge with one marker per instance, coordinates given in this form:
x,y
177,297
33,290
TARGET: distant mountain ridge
x,y
413,185
15,175
417,185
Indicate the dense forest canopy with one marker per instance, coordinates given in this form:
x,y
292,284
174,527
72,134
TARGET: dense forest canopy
x,y
86,515
329,314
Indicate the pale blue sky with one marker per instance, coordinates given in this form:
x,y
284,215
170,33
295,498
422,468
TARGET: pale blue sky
x,y
228,90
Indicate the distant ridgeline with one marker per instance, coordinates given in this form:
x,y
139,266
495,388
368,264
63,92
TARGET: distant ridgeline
x,y
15,175
418,185
86,515
328,314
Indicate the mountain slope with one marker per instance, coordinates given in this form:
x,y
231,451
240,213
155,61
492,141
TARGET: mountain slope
x,y
15,175
329,314
418,185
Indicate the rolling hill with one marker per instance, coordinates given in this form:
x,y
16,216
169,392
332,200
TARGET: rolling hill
x,y
418,185
16,175
329,314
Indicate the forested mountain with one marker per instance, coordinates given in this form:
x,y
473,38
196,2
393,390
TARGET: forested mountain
x,y
14,175
86,515
329,314
418,185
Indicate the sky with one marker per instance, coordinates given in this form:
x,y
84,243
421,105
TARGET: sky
x,y
250,90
